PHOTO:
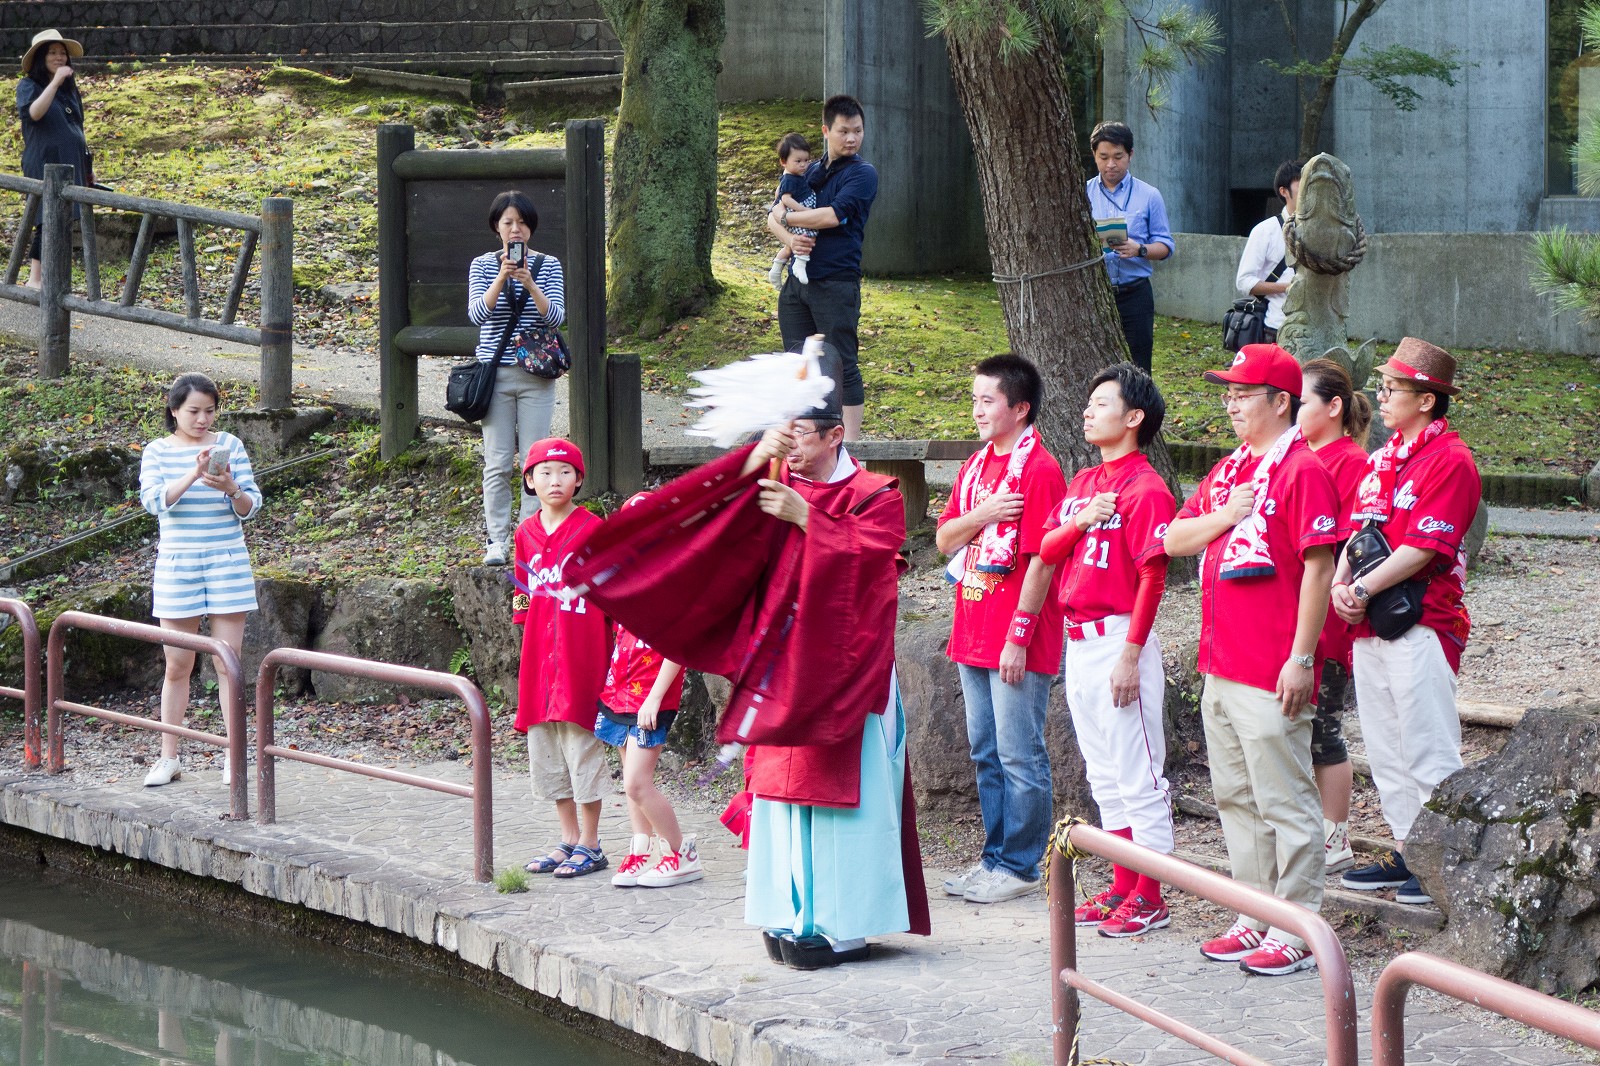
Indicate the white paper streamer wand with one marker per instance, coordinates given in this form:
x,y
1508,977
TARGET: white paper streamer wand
x,y
755,394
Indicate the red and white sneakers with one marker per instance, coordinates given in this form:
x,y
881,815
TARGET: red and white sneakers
x,y
1136,916
1096,910
1239,941
1275,958
675,867
640,851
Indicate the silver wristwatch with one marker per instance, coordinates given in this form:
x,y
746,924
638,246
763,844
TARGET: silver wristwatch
x,y
1359,591
1303,660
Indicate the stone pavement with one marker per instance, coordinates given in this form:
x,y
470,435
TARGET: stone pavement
x,y
679,965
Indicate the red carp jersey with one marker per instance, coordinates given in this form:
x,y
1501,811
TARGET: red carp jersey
x,y
1436,497
1101,573
564,640
1247,623
635,666
985,603
1346,462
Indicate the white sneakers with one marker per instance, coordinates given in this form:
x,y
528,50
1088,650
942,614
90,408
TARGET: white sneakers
x,y
997,886
956,884
1336,851
674,868
163,773
495,555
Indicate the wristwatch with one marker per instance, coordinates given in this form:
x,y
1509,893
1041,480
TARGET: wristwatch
x,y
235,494
1359,591
786,216
1141,252
1303,660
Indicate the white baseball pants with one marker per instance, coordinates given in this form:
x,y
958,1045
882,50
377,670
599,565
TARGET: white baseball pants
x,y
1124,748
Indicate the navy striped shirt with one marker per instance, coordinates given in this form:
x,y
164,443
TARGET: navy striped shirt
x,y
492,323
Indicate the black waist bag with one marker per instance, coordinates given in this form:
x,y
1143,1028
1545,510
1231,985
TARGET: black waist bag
x,y
1397,608
1244,323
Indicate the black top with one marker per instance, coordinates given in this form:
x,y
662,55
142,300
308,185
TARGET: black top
x,y
58,137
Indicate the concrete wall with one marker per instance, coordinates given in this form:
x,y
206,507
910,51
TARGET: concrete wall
x,y
1458,290
1183,150
1470,158
927,216
773,50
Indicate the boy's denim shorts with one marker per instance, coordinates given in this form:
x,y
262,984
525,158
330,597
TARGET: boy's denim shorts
x,y
616,734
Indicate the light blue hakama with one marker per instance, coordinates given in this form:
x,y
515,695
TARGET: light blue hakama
x,y
836,870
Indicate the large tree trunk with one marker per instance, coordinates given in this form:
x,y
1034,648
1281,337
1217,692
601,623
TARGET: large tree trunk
x,y
1037,214
663,169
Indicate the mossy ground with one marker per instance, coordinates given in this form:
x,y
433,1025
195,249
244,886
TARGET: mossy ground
x,y
229,138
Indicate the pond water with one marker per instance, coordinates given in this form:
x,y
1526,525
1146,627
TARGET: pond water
x,y
93,976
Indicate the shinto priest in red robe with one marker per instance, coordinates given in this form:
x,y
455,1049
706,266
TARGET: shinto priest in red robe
x,y
788,588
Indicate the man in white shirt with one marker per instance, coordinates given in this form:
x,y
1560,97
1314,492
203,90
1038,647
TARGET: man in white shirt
x,y
1263,270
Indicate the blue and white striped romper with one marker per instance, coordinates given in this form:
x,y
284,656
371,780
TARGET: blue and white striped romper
x,y
202,566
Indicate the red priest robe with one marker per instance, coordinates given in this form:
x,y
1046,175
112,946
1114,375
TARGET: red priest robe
x,y
801,622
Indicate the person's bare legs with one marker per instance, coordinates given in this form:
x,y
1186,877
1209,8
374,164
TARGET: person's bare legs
x,y
852,421
589,820
35,275
648,809
1334,783
175,683
567,811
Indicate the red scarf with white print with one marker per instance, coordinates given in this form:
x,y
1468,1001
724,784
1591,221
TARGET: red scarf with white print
x,y
1245,554
1375,494
994,551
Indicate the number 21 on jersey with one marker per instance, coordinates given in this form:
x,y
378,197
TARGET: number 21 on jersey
x,y
1097,552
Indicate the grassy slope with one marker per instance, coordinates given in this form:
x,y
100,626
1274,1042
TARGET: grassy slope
x,y
230,138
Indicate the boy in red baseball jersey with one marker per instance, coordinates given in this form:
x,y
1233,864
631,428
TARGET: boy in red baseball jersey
x,y
1113,568
1421,491
1006,635
564,655
1263,521
640,700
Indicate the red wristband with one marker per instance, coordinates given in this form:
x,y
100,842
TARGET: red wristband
x,y
1022,626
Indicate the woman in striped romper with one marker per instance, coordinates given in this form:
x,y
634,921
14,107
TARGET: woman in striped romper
x,y
202,567
523,404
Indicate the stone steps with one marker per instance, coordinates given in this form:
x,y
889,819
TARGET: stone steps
x,y
335,38
130,13
520,64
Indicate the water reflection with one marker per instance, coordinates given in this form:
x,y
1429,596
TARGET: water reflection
x,y
93,977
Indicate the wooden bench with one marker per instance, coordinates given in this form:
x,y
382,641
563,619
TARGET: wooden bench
x,y
904,460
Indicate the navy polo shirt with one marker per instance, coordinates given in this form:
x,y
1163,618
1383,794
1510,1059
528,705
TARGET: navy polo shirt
x,y
848,186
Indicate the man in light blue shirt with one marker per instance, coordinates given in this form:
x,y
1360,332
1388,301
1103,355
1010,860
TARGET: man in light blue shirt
x,y
1118,194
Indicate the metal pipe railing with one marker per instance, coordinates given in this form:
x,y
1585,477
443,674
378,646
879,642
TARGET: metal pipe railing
x,y
481,791
228,669
1460,982
1338,992
29,692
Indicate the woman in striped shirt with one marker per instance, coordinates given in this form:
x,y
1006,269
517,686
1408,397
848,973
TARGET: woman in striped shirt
x,y
497,286
202,567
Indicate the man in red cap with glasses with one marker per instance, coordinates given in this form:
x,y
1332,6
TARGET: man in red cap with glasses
x,y
1264,522
1421,492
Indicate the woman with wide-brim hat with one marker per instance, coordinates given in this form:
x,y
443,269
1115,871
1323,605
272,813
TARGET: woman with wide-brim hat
x,y
51,109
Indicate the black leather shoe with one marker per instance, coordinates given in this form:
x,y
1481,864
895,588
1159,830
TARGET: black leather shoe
x,y
815,953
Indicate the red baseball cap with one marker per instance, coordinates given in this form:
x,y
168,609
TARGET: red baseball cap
x,y
1261,364
554,449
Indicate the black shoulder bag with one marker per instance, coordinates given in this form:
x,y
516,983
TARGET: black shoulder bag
x,y
1246,321
471,385
1397,608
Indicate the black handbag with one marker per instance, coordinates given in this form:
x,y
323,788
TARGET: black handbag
x,y
1397,608
1246,321
542,350
470,387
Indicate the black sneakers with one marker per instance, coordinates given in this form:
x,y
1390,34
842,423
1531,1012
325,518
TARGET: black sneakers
x,y
1388,872
1411,892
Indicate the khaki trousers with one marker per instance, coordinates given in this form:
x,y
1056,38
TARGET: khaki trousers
x,y
1266,796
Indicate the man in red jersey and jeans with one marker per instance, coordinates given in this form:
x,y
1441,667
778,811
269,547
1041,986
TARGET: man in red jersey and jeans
x,y
1264,522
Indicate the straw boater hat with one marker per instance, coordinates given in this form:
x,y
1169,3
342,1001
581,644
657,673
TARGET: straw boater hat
x,y
1427,364
44,39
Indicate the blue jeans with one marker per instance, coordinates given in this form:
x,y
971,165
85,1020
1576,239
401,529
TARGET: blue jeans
x,y
1005,727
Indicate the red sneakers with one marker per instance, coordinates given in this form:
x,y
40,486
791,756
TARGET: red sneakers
x,y
1096,910
1276,958
1239,941
1136,915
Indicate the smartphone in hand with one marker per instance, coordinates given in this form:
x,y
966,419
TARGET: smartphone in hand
x,y
217,462
516,253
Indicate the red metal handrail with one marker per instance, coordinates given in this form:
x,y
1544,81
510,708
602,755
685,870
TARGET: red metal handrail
x,y
1460,982
1338,993
481,791
29,692
232,704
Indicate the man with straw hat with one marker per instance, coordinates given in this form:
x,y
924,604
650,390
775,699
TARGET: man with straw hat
x,y
1421,492
52,117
